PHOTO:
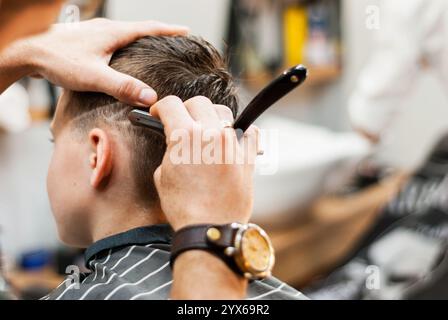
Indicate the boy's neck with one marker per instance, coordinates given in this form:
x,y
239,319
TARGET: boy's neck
x,y
108,221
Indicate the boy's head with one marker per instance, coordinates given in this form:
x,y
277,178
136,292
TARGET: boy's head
x,y
100,160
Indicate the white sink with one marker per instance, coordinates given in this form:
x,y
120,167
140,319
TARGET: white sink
x,y
310,161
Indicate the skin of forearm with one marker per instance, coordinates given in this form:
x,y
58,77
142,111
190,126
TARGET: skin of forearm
x,y
199,275
15,63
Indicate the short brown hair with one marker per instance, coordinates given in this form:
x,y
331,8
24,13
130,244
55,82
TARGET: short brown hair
x,y
182,66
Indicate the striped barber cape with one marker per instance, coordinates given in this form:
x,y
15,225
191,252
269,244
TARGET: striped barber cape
x,y
135,265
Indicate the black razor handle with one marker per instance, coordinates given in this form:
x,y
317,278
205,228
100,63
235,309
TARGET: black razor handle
x,y
277,89
142,118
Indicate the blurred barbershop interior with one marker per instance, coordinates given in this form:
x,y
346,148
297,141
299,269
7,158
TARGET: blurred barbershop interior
x,y
352,189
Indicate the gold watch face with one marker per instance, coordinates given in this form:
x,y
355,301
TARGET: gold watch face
x,y
256,250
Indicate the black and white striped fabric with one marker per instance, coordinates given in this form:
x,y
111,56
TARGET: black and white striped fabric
x,y
135,266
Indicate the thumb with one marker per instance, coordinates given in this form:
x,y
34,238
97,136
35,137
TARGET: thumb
x,y
125,88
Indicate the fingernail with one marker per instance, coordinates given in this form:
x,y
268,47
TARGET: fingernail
x,y
148,96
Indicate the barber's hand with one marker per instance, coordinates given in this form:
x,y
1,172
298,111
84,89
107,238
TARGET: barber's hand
x,y
204,193
76,56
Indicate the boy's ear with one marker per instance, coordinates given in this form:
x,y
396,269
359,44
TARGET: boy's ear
x,y
100,159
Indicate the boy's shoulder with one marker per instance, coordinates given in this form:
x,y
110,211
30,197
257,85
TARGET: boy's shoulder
x,y
130,267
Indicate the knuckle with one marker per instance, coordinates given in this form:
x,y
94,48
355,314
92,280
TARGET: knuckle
x,y
100,21
253,131
199,100
225,111
127,88
170,100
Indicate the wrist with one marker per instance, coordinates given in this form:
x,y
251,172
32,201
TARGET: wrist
x,y
245,248
199,266
36,55
199,217
13,65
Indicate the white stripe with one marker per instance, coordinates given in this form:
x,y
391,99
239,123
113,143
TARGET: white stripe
x,y
96,271
152,291
139,263
268,293
107,259
136,283
104,272
98,284
116,264
63,292
48,295
300,294
91,261
63,282
127,255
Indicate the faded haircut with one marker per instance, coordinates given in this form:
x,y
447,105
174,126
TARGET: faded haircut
x,y
182,66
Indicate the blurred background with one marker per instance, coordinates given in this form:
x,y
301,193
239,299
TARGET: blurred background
x,y
346,216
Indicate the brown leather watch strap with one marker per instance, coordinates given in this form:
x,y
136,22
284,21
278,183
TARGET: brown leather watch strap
x,y
195,238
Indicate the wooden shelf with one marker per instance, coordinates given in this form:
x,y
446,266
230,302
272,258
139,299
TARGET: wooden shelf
x,y
323,75
39,115
21,280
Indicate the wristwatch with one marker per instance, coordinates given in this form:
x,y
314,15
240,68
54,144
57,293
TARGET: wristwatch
x,y
246,248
